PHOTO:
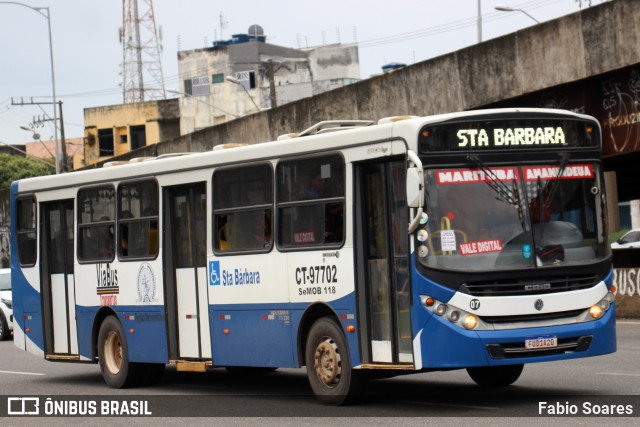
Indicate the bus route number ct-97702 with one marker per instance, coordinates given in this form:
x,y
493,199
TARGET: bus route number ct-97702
x,y
319,275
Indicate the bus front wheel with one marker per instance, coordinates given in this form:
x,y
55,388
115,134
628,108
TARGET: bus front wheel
x,y
495,376
329,365
113,355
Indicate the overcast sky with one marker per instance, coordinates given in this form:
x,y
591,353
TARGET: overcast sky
x,y
88,54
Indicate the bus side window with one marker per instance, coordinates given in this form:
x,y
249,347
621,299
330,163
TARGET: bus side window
x,y
311,202
96,224
26,231
138,220
243,209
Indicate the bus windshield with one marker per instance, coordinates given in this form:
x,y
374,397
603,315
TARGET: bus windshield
x,y
504,218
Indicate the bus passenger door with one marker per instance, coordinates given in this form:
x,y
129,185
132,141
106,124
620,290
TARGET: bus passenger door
x,y
184,250
58,289
382,248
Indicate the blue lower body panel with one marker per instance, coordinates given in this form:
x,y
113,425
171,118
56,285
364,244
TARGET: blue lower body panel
x,y
259,337
445,345
145,331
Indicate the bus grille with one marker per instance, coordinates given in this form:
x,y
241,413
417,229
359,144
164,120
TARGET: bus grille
x,y
510,287
515,350
533,317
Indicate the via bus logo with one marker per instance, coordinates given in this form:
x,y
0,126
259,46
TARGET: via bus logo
x,y
214,273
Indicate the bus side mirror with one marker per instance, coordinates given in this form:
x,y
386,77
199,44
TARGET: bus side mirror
x,y
414,188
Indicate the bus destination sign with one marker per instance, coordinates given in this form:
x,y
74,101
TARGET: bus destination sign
x,y
499,137
520,134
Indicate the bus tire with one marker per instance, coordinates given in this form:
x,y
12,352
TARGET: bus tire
x,y
495,376
113,353
329,365
4,328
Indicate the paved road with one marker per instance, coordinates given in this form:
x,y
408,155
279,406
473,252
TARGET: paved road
x,y
600,381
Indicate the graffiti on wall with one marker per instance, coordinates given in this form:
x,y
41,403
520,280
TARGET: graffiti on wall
x,y
614,99
621,108
627,280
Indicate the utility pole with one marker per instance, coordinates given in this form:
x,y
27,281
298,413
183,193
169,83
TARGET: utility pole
x,y
40,121
63,144
272,84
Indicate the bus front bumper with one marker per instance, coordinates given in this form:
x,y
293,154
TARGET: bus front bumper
x,y
443,345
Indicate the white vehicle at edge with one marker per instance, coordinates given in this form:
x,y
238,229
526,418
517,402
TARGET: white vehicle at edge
x,y
629,240
6,307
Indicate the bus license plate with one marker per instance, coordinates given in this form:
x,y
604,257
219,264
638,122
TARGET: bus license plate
x,y
541,342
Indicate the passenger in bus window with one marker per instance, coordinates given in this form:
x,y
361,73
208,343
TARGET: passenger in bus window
x,y
104,240
223,233
317,187
152,211
333,219
262,236
124,233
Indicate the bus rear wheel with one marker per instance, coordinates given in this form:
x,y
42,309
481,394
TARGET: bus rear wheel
x,y
329,365
495,376
113,355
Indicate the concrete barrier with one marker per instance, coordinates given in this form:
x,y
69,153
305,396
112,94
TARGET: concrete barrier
x,y
627,280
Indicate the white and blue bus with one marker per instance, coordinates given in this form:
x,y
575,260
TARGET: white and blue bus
x,y
472,240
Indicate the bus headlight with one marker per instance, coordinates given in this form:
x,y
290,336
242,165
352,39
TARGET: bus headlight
x,y
453,314
470,321
596,311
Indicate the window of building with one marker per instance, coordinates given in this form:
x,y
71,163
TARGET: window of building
x,y
247,79
105,142
310,202
138,220
26,231
96,224
138,136
217,78
243,209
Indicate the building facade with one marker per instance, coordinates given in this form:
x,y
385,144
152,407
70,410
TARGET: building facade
x,y
117,129
245,75
46,150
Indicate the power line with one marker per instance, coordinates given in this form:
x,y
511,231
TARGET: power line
x,y
450,26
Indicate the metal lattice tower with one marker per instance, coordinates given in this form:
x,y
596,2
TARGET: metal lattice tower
x,y
142,78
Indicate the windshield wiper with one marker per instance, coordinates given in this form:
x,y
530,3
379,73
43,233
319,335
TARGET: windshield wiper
x,y
501,189
564,161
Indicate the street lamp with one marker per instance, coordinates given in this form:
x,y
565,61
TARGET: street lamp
x,y
236,81
40,12
505,8
36,137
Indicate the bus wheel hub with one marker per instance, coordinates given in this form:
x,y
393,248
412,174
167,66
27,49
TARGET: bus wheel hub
x,y
326,362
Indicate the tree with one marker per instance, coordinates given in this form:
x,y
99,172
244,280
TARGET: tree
x,y
16,167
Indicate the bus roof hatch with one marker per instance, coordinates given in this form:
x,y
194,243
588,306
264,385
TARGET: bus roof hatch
x,y
328,126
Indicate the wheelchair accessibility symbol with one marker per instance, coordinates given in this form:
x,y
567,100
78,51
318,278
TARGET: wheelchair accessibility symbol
x,y
214,273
